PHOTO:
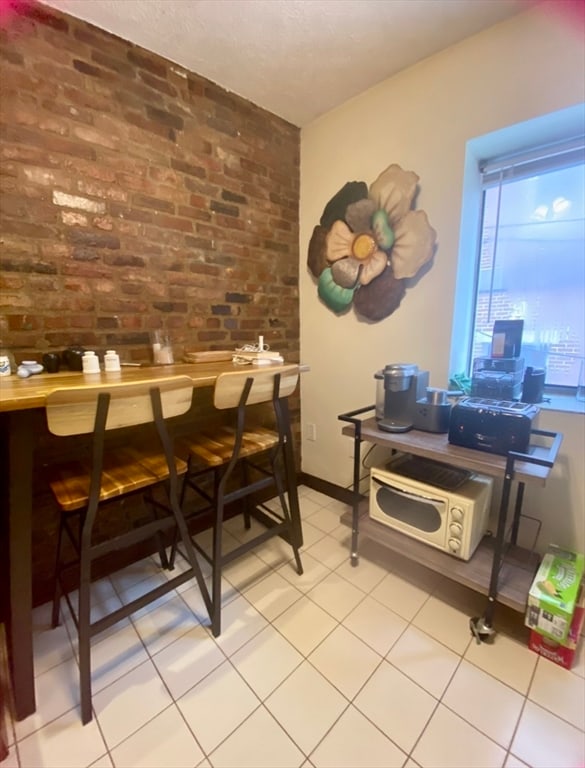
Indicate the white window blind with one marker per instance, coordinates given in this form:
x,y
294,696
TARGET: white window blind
x,y
531,264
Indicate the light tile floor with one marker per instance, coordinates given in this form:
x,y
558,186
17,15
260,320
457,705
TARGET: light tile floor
x,y
358,667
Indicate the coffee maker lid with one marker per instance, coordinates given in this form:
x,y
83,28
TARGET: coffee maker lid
x,y
398,370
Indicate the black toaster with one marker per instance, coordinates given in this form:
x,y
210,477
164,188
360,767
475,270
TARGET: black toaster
x,y
495,426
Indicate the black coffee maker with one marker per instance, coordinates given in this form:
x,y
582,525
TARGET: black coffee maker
x,y
399,386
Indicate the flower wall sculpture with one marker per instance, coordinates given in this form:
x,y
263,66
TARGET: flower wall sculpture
x,y
368,242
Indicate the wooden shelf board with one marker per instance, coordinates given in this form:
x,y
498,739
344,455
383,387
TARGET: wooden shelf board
x,y
516,574
437,446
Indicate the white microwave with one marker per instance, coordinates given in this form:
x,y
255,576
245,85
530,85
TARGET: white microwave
x,y
452,520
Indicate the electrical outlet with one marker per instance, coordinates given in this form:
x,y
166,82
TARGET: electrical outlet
x,y
311,432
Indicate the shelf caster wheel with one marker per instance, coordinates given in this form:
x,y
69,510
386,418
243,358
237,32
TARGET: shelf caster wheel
x,y
482,631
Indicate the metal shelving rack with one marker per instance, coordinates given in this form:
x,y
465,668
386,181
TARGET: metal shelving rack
x,y
499,569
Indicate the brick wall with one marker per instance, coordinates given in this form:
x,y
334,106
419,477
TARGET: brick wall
x,y
136,195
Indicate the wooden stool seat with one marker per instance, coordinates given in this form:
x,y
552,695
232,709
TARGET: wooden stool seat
x,y
213,449
124,470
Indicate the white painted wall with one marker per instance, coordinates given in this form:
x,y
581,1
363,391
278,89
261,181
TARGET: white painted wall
x,y
421,119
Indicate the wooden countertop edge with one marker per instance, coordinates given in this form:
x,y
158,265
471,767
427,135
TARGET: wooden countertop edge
x,y
24,394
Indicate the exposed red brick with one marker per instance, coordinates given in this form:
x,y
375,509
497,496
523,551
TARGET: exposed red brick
x,y
173,222
189,168
158,84
18,135
149,125
151,63
95,38
199,233
87,99
59,74
119,66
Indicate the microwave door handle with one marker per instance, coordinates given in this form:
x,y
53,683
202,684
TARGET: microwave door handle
x,y
406,494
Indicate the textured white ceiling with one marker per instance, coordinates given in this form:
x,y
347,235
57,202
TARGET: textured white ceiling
x,y
296,58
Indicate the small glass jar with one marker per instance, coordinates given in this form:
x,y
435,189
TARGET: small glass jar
x,y
162,350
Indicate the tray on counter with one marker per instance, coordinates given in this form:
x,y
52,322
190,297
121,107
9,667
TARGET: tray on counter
x,y
213,356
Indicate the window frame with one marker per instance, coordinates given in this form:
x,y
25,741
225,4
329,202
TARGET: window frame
x,y
496,175
517,141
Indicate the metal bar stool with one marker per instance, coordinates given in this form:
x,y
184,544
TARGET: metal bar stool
x,y
82,488
221,450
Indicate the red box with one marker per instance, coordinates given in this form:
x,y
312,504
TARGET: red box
x,y
561,653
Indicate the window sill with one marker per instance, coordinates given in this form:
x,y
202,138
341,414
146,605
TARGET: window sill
x,y
562,402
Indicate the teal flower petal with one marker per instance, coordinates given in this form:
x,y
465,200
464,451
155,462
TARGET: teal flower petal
x,y
333,295
383,232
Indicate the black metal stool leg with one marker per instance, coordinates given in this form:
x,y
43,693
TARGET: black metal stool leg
x,y
245,482
56,610
164,561
174,543
84,636
217,568
286,512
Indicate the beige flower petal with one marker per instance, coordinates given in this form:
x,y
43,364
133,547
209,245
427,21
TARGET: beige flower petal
x,y
373,267
414,245
339,240
394,191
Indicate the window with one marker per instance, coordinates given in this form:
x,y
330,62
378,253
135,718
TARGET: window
x,y
531,262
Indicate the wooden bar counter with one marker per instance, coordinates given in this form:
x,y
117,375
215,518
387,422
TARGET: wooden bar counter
x,y
22,394
20,401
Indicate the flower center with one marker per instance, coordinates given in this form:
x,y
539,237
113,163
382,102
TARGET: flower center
x,y
363,246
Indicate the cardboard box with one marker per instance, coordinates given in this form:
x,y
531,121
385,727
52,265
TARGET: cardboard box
x,y
554,594
561,653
